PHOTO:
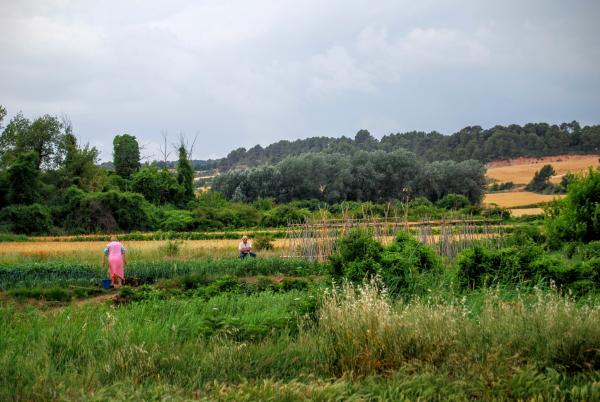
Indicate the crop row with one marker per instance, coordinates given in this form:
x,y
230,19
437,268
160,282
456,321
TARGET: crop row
x,y
30,274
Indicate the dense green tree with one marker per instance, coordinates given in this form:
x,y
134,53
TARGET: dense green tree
x,y
541,179
158,187
42,136
365,176
185,174
79,164
126,155
23,179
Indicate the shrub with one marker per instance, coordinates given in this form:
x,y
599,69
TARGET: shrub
x,y
106,211
479,266
577,216
178,221
263,242
526,233
358,255
282,215
171,248
453,201
400,263
26,219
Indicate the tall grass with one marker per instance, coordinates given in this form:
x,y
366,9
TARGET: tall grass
x,y
534,336
359,345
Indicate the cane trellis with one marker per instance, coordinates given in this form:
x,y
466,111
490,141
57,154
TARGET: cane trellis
x,y
316,239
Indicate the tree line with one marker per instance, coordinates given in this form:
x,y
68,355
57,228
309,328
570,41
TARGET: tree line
x,y
376,176
472,142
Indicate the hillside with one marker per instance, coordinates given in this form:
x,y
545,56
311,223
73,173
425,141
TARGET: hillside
x,y
520,171
473,142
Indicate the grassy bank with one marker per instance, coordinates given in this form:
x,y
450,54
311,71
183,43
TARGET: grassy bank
x,y
356,344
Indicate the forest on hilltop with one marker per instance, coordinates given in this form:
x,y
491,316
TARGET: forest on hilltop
x,y
472,142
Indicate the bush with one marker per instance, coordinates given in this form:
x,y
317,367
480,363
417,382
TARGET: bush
x,y
178,221
171,248
263,242
453,201
479,266
26,219
399,264
105,211
526,233
577,216
282,215
358,255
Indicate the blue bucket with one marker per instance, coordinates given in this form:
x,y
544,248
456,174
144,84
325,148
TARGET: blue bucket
x,y
105,283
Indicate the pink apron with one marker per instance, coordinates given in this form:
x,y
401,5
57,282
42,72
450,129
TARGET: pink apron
x,y
115,260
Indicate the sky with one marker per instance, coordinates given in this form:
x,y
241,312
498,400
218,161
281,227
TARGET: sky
x,y
240,73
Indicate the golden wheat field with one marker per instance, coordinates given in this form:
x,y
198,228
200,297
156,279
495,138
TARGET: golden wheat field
x,y
522,170
513,199
91,251
517,212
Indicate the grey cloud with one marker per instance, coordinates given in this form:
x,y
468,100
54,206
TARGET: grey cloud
x,y
240,73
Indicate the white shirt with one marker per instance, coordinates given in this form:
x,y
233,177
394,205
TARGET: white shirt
x,y
243,245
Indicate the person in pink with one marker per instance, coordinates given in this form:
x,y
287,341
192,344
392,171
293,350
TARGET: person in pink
x,y
116,261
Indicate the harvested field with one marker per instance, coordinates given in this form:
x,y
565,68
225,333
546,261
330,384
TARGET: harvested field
x,y
517,212
522,170
514,199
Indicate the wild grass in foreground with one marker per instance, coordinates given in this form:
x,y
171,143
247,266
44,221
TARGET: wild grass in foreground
x,y
357,345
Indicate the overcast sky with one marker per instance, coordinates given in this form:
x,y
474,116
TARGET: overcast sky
x,y
238,73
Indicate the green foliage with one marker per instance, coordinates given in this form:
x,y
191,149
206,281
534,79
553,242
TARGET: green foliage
x,y
473,142
282,215
526,233
496,187
105,211
358,256
171,248
577,216
541,179
185,175
26,219
23,179
405,260
79,164
158,187
43,137
49,294
178,220
453,201
263,242
364,176
126,155
399,264
34,274
525,265
479,266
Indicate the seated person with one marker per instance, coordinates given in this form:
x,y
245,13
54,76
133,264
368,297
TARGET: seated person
x,y
245,248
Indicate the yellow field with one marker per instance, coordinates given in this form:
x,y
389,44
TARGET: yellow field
x,y
522,170
91,251
516,212
514,199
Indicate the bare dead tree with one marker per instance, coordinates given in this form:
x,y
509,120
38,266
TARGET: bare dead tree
x,y
187,145
164,151
145,156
